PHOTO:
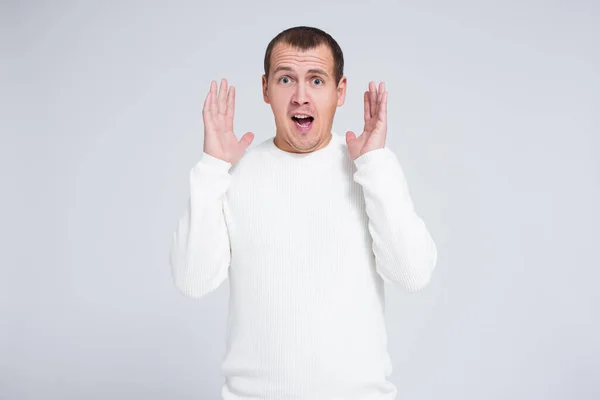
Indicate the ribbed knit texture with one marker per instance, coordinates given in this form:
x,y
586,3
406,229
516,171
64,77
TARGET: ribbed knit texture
x,y
307,242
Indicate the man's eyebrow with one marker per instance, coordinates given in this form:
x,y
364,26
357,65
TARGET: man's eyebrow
x,y
310,71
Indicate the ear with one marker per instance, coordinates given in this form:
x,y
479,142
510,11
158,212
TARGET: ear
x,y
264,89
341,91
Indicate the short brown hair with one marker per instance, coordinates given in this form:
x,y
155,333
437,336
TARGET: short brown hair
x,y
306,38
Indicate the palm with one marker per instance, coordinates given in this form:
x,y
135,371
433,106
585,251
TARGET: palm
x,y
375,128
218,113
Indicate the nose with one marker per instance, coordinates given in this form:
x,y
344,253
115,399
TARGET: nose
x,y
300,96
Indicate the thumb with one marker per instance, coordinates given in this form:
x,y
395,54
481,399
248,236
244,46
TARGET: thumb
x,y
350,136
246,140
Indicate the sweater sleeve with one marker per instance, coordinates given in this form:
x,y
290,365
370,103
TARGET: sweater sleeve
x,y
200,249
404,250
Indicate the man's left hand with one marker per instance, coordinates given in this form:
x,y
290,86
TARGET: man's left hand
x,y
373,135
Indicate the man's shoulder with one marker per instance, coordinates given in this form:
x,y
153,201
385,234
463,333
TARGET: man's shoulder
x,y
256,152
258,146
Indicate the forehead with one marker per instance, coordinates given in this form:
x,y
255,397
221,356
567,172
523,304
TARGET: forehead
x,y
319,57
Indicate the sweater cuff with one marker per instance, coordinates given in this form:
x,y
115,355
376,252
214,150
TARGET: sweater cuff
x,y
380,165
212,163
372,156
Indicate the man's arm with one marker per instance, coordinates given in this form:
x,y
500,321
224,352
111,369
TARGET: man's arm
x,y
404,250
200,249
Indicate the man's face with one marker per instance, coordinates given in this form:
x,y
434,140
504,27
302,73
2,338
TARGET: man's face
x,y
303,82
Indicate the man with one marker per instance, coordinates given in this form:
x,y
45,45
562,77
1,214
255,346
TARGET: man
x,y
307,226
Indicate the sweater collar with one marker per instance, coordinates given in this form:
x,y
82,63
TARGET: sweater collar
x,y
317,155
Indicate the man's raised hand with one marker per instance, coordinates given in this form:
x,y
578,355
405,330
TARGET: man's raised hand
x,y
218,112
375,129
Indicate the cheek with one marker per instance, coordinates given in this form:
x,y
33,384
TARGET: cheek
x,y
279,104
280,111
328,106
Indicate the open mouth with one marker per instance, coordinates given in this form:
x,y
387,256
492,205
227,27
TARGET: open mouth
x,y
304,124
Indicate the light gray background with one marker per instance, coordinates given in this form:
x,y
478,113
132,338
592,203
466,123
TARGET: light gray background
x,y
493,113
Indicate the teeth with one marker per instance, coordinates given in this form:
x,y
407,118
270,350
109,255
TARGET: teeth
x,y
301,116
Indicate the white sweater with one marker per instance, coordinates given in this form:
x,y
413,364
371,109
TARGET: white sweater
x,y
307,241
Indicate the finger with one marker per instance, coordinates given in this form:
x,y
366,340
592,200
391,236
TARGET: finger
x,y
383,107
213,98
379,98
246,140
207,112
222,96
380,95
230,111
207,102
373,98
350,136
367,106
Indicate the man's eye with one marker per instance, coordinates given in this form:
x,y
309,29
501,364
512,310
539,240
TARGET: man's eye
x,y
285,77
318,79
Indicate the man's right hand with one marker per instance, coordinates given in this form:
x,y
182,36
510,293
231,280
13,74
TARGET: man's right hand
x,y
218,112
